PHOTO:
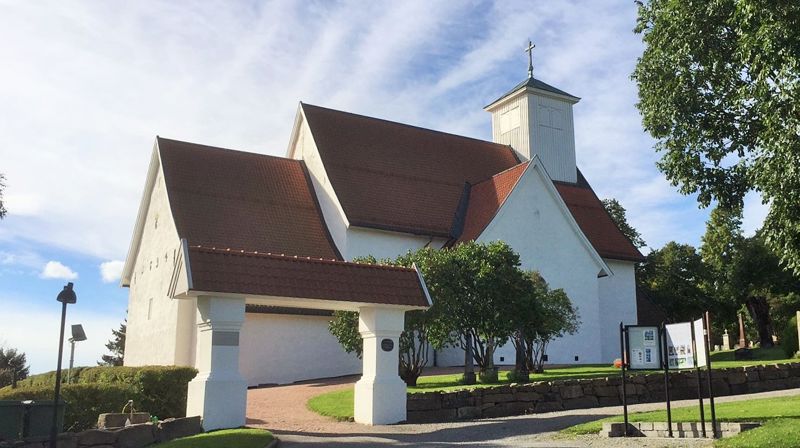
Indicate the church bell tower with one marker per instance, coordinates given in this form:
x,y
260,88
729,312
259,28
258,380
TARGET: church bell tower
x,y
535,118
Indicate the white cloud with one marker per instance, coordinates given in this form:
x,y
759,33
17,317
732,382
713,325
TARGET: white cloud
x,y
57,270
231,74
111,271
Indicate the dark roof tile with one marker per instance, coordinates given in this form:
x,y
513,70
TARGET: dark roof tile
x,y
242,200
239,272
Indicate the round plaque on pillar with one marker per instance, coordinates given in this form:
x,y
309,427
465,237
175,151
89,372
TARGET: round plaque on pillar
x,y
387,345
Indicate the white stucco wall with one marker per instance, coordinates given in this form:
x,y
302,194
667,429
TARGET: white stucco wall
x,y
277,348
154,335
533,224
381,244
617,303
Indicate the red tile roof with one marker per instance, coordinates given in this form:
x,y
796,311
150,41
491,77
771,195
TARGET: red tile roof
x,y
242,200
595,222
398,177
485,199
227,271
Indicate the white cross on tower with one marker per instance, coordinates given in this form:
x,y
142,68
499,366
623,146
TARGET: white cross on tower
x,y
529,50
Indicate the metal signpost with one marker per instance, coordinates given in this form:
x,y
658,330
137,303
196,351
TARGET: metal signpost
x,y
672,346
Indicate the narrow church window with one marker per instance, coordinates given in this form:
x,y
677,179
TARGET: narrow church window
x,y
149,308
155,222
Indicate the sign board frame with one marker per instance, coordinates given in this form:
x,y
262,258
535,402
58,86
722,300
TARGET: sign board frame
x,y
643,342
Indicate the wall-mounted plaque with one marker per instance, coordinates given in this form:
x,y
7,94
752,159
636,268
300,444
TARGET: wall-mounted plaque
x,y
387,345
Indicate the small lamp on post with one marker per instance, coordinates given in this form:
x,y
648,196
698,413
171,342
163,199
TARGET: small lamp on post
x,y
78,335
66,297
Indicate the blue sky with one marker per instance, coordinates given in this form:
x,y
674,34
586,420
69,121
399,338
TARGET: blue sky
x,y
86,86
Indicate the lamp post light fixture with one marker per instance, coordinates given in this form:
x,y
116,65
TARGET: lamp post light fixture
x,y
66,297
78,335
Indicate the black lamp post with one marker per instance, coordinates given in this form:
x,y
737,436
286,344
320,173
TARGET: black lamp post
x,y
65,297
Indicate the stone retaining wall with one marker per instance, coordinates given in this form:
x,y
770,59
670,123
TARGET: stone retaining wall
x,y
133,436
548,396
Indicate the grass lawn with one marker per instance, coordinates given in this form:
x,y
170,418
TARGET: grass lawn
x,y
339,404
228,438
780,415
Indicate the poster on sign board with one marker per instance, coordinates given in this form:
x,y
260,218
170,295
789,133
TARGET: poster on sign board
x,y
644,348
680,353
700,342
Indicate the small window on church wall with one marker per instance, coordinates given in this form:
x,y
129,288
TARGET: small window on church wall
x,y
149,308
509,120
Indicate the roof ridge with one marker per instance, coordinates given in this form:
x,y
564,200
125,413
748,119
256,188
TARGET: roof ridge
x,y
244,253
204,147
495,145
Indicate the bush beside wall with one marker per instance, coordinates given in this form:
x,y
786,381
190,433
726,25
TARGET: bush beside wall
x,y
84,401
159,390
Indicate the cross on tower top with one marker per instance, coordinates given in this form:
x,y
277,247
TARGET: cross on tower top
x,y
529,50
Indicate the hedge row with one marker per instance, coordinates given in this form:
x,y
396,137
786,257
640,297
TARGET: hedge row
x,y
159,390
84,401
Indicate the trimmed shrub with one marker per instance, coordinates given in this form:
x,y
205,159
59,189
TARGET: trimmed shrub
x,y
516,376
159,390
84,401
789,341
488,376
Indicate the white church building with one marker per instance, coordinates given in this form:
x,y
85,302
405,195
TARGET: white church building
x,y
352,186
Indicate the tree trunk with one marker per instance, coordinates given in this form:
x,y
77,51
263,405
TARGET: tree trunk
x,y
469,367
758,307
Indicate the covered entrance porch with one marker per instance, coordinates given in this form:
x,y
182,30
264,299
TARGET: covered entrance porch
x,y
222,282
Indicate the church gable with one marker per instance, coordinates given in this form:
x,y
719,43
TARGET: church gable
x,y
534,219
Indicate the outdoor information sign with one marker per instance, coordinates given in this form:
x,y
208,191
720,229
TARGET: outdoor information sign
x,y
644,348
699,336
680,345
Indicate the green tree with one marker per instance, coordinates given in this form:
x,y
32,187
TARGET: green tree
x,y
115,345
617,213
3,210
478,302
718,249
719,91
756,276
540,316
673,277
474,287
414,343
13,367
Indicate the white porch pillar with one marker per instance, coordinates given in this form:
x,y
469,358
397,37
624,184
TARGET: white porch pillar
x,y
219,393
380,394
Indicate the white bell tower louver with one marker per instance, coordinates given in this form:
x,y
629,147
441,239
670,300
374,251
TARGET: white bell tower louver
x,y
535,118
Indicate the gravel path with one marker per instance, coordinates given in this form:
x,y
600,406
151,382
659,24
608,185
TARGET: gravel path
x,y
283,410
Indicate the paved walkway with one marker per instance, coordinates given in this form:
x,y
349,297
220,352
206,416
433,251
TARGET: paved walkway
x,y
282,410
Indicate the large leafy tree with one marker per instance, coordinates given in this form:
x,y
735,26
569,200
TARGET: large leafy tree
x,y
744,273
116,347
719,88
13,367
474,288
540,316
673,277
618,215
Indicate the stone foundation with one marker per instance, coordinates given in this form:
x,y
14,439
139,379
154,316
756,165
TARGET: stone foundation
x,y
691,430
548,396
133,436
